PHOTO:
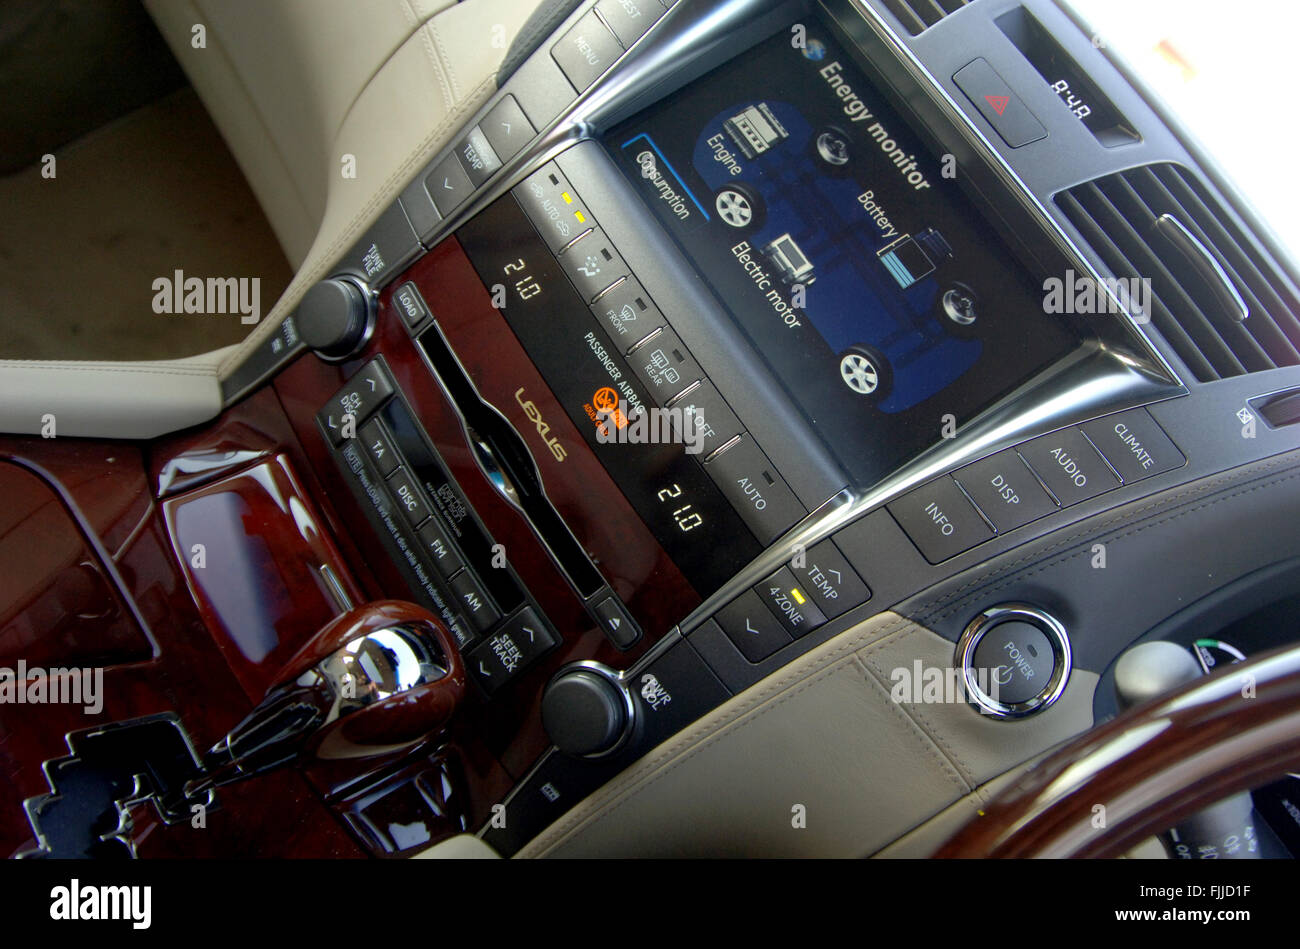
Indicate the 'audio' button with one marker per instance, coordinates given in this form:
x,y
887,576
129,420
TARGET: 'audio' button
x,y
1069,466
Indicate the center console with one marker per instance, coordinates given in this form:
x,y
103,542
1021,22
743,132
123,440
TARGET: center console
x,y
721,330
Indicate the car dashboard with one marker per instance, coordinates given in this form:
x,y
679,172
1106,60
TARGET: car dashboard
x,y
727,340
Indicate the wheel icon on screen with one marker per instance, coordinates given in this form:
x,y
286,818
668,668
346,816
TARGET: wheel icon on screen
x,y
739,206
865,370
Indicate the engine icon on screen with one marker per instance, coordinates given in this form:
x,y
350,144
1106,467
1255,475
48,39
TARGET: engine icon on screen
x,y
755,129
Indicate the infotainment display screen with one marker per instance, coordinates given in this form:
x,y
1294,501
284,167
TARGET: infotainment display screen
x,y
844,249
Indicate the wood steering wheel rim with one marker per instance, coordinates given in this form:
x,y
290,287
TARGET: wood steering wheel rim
x,y
1149,768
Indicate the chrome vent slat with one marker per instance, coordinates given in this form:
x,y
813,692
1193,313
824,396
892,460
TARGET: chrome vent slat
x,y
1272,347
1140,260
1285,325
1115,260
1116,215
919,15
1247,355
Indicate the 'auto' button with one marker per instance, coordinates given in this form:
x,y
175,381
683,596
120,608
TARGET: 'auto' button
x,y
758,493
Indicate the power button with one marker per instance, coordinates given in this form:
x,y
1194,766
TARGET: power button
x,y
1015,659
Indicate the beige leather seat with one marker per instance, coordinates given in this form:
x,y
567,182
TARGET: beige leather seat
x,y
304,91
296,85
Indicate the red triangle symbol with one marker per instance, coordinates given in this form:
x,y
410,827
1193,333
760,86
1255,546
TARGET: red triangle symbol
x,y
999,103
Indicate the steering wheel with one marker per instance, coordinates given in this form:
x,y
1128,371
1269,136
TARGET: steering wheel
x,y
1150,767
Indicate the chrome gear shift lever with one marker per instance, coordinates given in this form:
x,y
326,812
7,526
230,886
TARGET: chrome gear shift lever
x,y
375,680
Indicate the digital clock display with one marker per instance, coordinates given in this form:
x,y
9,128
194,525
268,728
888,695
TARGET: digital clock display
x,y
1072,86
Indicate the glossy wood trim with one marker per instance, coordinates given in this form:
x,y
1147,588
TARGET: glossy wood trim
x,y
1151,767
508,727
262,546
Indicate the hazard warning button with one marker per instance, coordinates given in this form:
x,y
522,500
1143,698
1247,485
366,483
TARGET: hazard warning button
x,y
998,104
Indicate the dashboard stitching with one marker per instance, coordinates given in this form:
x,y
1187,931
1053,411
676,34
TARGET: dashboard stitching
x,y
92,366
445,61
706,733
937,611
952,766
960,765
428,37
1041,567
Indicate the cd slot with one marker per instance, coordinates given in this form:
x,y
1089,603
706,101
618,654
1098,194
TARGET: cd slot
x,y
507,464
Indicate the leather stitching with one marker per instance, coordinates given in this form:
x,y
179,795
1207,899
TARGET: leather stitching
x,y
957,762
925,736
936,612
325,260
687,743
109,367
446,62
427,36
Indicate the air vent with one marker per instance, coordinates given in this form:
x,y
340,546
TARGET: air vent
x,y
1159,222
920,15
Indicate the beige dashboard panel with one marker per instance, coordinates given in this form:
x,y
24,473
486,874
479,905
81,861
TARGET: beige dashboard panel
x,y
408,112
816,760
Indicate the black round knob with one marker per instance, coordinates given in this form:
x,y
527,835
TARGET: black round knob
x,y
584,712
332,318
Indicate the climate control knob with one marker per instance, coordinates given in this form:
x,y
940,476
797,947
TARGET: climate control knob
x,y
586,711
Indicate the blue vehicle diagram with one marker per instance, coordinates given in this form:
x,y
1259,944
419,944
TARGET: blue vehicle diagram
x,y
889,302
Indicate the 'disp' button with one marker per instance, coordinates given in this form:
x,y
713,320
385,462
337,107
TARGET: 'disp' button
x,y
1005,490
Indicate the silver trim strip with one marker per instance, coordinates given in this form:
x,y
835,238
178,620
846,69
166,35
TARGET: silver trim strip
x,y
1199,256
